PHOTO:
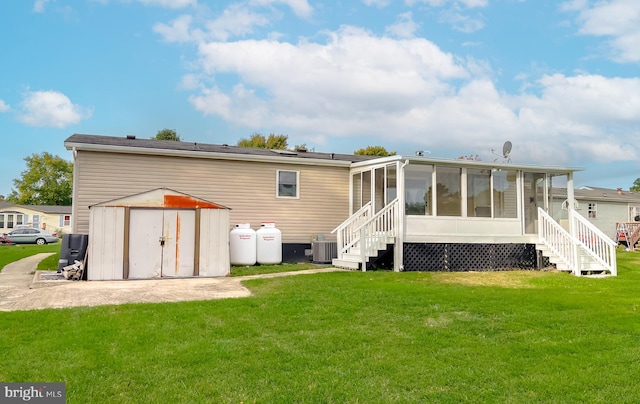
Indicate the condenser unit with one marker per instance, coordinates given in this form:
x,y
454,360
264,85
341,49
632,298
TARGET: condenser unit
x,y
324,251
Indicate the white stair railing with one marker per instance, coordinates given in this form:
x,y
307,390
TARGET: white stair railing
x,y
558,240
346,236
376,232
599,246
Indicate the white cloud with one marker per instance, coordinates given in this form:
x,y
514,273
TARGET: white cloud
x,y
4,107
50,108
377,3
461,22
408,90
456,13
38,6
178,31
169,3
404,27
454,3
235,21
618,20
301,8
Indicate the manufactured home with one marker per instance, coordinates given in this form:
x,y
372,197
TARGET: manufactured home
x,y
55,219
413,213
606,207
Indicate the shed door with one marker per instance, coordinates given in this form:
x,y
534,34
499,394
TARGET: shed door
x,y
161,243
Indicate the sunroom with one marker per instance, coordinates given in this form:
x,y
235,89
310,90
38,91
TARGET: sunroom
x,y
425,214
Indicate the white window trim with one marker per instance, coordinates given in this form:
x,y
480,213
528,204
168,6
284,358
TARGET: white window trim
x,y
297,196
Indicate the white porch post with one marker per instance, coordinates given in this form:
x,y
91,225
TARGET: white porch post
x,y
571,201
398,249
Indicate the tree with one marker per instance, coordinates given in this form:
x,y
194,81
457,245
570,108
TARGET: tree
x,y
374,151
278,142
48,180
167,134
636,186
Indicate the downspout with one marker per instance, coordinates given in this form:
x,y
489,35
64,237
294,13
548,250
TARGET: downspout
x,y
74,205
398,264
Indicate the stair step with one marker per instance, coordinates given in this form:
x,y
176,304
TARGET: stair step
x,y
343,263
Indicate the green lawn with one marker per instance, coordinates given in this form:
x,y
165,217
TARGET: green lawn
x,y
11,253
349,337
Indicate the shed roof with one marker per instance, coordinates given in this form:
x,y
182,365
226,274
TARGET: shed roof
x,y
162,198
130,144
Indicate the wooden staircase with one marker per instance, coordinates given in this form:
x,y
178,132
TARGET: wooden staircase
x,y
364,235
588,251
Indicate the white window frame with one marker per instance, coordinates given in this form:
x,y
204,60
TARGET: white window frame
x,y
65,221
297,185
592,210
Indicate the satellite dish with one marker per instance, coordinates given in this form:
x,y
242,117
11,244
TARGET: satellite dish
x,y
506,149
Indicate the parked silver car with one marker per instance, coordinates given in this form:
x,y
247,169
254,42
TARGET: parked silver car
x,y
30,235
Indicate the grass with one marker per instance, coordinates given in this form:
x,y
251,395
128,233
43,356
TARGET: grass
x,y
11,253
349,337
268,269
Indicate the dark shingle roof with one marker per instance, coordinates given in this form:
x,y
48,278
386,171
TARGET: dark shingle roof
x,y
210,148
50,210
596,193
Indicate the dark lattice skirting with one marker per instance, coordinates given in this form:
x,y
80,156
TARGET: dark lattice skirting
x,y
451,257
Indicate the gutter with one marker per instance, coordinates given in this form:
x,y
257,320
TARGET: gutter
x,y
204,155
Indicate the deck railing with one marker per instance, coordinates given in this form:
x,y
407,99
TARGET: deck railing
x,y
601,247
558,240
629,233
346,236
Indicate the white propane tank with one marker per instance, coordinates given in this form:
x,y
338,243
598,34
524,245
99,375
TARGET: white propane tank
x,y
269,244
242,245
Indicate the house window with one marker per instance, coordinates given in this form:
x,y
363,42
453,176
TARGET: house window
x,y
288,184
19,220
448,196
9,221
66,220
1,221
593,210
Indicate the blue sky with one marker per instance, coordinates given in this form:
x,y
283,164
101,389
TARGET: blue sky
x,y
559,79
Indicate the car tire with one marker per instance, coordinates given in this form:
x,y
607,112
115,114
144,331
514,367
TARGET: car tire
x,y
41,241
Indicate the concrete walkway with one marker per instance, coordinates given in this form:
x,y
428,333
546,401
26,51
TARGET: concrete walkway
x,y
22,289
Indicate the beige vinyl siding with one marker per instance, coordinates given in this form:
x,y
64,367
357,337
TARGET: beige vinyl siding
x,y
248,188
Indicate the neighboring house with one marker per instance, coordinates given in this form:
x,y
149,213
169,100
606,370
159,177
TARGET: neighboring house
x,y
606,207
412,212
55,219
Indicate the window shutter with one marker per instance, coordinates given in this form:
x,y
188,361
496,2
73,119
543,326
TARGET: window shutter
x,y
61,220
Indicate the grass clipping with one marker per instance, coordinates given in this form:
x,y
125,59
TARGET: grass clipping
x,y
505,279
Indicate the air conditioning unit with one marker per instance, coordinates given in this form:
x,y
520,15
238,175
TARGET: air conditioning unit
x,y
324,251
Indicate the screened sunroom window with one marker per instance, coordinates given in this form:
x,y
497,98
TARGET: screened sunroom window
x,y
505,195
448,197
478,193
417,189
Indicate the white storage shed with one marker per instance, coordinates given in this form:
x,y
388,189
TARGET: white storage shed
x,y
155,234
